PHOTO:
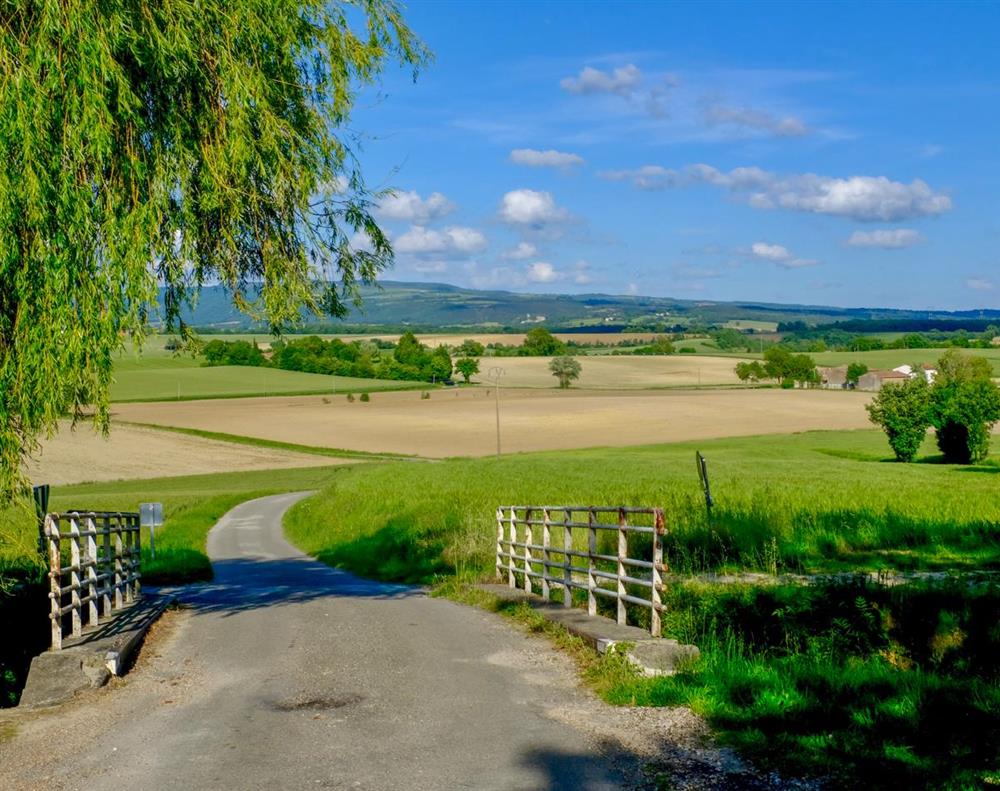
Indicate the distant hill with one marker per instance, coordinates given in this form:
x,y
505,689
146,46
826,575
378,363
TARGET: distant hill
x,y
441,306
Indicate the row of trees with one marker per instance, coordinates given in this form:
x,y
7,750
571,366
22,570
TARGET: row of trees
x,y
962,405
408,360
780,365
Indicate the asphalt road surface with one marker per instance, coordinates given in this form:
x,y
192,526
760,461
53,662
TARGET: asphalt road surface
x,y
285,673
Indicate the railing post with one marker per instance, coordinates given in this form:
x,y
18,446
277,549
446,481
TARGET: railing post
x,y
657,577
107,566
591,563
567,559
499,542
74,574
546,540
55,579
512,534
119,568
92,616
527,550
622,554
136,558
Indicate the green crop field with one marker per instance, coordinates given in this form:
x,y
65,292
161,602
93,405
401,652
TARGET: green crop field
x,y
175,381
887,359
861,684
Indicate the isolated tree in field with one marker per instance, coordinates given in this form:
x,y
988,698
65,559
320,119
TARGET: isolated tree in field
x,y
903,412
854,372
467,366
965,404
565,369
171,144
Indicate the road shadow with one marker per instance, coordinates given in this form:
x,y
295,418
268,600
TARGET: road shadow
x,y
247,584
663,765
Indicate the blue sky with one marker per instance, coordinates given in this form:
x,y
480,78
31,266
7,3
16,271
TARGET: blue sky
x,y
830,154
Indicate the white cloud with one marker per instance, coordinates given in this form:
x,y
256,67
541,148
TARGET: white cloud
x,y
622,81
979,284
886,238
521,251
864,198
581,273
542,272
531,208
780,255
544,159
455,242
409,206
755,120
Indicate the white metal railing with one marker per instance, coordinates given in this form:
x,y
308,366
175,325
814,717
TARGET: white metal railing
x,y
519,553
103,575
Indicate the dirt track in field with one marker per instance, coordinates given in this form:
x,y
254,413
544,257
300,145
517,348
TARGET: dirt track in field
x,y
462,422
129,452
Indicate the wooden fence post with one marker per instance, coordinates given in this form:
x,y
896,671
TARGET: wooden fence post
x,y
74,574
622,554
657,577
546,541
55,579
512,534
527,550
92,616
136,558
499,542
119,568
567,559
107,566
591,563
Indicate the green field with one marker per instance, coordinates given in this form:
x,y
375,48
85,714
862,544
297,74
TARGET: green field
x,y
160,375
847,680
153,383
887,359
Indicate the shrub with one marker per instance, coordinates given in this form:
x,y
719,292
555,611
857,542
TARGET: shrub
x,y
964,405
365,398
902,411
350,397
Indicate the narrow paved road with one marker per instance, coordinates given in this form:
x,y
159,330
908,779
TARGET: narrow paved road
x,y
285,673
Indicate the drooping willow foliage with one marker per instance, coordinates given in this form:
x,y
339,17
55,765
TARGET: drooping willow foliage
x,y
149,143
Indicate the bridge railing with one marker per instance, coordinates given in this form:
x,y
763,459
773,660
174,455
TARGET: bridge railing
x,y
537,544
103,572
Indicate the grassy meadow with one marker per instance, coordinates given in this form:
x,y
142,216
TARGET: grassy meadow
x,y
814,502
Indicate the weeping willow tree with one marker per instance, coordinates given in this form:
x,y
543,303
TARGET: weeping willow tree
x,y
172,143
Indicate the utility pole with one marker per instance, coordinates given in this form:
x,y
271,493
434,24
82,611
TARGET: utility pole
x,y
496,372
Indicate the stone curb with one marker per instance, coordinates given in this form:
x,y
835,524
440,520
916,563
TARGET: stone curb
x,y
90,661
651,656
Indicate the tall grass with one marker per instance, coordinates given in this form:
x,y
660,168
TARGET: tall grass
x,y
813,502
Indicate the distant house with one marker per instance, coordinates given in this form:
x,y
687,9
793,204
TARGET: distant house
x,y
873,380
926,370
834,378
